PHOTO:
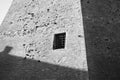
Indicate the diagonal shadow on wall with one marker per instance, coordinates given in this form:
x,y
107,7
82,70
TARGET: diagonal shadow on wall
x,y
16,68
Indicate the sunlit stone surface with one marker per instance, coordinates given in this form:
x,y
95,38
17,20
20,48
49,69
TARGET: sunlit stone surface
x,y
30,25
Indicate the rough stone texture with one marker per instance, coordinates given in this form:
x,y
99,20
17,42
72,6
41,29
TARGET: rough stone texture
x,y
29,28
102,33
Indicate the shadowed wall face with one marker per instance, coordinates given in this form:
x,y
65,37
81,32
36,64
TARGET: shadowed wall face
x,y
102,33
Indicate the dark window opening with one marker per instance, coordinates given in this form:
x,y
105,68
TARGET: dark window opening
x,y
59,41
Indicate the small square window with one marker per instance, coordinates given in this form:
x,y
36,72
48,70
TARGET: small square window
x,y
59,41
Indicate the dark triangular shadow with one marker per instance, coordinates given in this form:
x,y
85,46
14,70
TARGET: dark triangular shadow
x,y
16,68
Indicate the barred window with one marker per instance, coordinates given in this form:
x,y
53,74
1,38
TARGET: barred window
x,y
59,41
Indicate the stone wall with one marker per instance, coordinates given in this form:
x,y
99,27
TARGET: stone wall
x,y
102,28
30,25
